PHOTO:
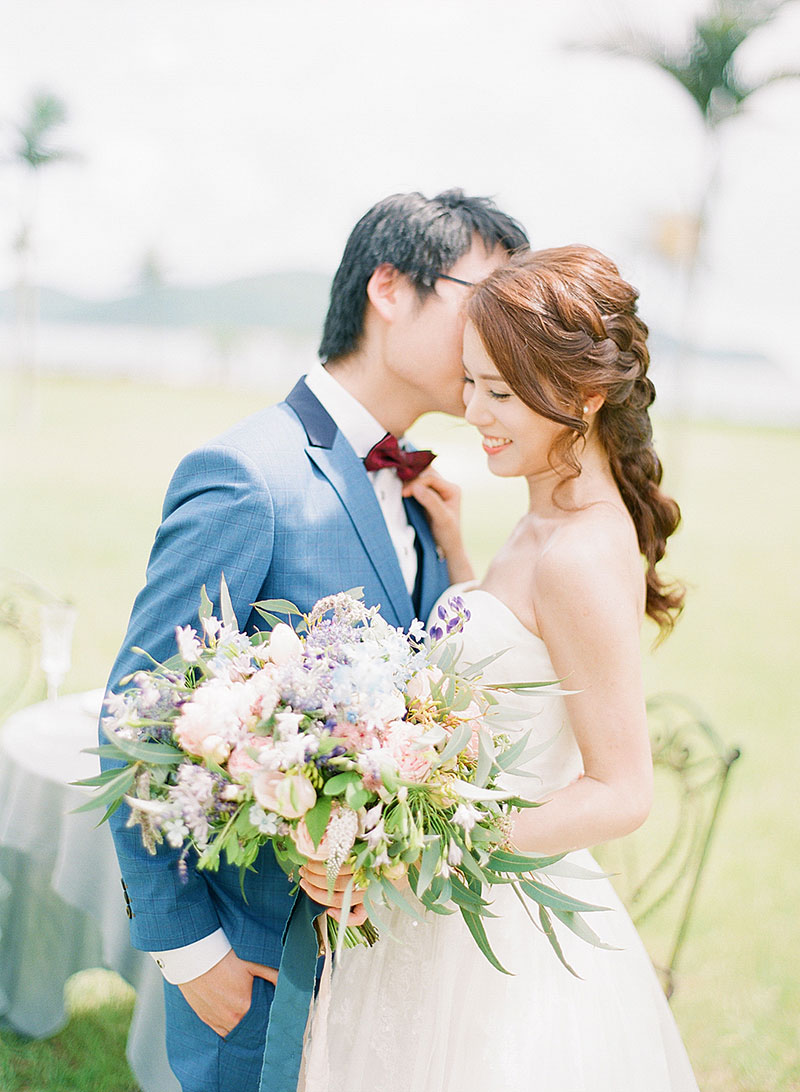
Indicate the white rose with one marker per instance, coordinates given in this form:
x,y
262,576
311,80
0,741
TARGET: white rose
x,y
284,644
215,748
419,685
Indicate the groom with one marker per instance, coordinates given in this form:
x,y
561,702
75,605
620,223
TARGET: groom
x,y
284,505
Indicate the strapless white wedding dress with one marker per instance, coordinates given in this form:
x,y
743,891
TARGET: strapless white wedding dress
x,y
424,1011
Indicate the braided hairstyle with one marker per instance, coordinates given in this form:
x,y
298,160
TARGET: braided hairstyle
x,y
561,325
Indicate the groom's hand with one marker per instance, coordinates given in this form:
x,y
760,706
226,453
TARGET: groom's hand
x,y
441,499
221,996
314,881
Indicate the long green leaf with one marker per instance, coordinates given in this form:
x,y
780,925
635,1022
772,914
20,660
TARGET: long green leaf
x,y
158,754
546,896
272,620
99,779
475,926
550,933
529,754
503,861
457,742
579,927
509,757
114,790
393,895
472,670
486,757
469,864
228,614
316,818
431,855
445,891
465,896
206,606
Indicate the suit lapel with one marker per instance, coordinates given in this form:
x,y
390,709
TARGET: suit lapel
x,y
345,471
336,460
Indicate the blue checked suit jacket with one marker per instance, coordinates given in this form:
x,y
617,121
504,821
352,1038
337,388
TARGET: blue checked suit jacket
x,y
283,507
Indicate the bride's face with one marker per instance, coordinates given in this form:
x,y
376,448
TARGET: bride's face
x,y
516,439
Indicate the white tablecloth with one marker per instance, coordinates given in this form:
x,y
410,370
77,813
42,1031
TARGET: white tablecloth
x,y
61,907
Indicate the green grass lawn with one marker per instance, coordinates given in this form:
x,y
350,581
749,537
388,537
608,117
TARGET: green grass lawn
x,y
81,495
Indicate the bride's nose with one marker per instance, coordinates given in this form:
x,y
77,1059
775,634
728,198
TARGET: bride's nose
x,y
476,411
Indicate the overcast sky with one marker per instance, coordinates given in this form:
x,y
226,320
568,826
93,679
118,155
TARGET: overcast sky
x,y
243,136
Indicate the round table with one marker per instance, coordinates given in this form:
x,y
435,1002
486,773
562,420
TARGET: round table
x,y
61,904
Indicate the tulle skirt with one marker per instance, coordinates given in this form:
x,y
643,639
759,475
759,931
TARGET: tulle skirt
x,y
424,1010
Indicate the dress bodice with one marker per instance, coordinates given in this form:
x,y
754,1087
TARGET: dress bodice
x,y
493,627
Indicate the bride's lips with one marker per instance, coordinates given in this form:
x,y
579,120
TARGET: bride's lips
x,y
492,444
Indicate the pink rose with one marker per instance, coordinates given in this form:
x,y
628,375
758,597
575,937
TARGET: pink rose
x,y
413,763
305,844
289,795
241,760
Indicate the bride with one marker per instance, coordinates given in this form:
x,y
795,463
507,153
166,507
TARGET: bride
x,y
555,381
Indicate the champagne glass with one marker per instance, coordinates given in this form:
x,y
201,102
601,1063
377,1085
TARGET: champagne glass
x,y
57,625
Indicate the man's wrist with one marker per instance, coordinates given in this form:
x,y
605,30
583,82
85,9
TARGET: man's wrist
x,y
180,965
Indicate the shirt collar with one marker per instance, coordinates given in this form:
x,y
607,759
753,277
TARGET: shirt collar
x,y
356,423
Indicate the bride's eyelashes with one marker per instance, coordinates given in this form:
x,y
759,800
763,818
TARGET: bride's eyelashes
x,y
499,396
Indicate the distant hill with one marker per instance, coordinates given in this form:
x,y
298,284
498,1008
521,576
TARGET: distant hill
x,y
294,301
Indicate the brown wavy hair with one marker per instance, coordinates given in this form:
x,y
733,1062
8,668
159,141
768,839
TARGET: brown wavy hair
x,y
561,325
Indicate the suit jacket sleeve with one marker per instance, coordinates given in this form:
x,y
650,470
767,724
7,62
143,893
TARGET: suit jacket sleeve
x,y
218,517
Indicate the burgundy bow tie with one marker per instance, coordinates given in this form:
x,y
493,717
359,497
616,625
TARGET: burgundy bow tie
x,y
387,452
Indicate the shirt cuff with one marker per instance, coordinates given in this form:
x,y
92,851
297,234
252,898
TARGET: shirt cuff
x,y
179,965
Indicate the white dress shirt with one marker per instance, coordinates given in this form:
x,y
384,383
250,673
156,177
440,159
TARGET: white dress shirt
x,y
362,432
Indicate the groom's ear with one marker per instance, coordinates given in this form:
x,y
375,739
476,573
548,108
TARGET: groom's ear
x,y
385,289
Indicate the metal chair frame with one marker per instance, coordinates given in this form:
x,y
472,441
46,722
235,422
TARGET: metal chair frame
x,y
686,746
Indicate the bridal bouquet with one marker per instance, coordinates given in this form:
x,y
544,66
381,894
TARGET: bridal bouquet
x,y
338,738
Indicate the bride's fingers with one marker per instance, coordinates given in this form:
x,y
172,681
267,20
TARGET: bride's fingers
x,y
357,916
316,873
320,895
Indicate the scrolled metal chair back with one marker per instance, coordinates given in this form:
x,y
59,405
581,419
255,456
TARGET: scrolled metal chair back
x,y
658,869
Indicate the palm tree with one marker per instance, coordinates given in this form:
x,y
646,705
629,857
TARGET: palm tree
x,y
707,70
34,150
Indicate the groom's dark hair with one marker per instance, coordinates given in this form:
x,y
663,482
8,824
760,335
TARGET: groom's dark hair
x,y
421,238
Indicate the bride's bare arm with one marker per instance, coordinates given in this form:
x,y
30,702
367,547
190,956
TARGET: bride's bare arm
x,y
441,499
588,608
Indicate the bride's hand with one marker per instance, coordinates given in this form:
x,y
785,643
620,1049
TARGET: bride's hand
x,y
314,881
441,500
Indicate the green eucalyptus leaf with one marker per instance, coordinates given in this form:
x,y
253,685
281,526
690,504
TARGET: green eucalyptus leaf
x,y
486,758
547,896
206,606
510,756
550,933
459,738
115,789
316,819
340,782
393,895
475,926
431,855
579,927
502,860
475,669
445,893
356,796
228,614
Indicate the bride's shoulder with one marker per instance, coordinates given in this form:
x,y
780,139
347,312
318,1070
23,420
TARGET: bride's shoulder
x,y
592,555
